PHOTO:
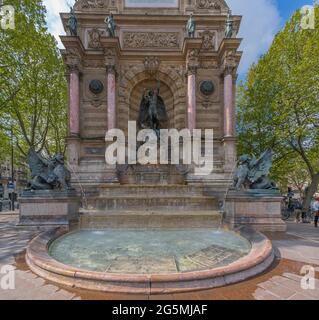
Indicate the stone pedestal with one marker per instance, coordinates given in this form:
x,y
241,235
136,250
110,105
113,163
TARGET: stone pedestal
x,y
260,209
230,153
43,208
73,150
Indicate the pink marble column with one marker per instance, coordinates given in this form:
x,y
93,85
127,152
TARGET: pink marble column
x,y
111,98
228,105
74,92
191,95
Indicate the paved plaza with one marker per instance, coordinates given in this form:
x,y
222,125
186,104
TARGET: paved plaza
x,y
294,249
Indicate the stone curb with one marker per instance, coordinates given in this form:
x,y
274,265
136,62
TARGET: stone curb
x,y
257,261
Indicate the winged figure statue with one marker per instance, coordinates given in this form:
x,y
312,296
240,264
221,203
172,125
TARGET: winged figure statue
x,y
252,172
48,174
152,113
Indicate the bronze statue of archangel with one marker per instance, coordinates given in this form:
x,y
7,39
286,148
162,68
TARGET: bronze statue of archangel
x,y
152,113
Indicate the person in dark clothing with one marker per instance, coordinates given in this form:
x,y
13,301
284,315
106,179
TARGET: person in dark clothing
x,y
315,208
298,211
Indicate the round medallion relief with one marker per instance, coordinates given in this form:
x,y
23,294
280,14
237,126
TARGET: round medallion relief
x,y
207,87
96,86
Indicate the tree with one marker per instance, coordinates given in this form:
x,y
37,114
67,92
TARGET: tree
x,y
278,104
32,83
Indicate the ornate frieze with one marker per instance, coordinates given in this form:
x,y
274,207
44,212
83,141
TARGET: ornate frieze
x,y
96,64
162,40
209,64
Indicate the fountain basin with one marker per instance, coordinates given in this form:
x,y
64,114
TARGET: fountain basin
x,y
144,272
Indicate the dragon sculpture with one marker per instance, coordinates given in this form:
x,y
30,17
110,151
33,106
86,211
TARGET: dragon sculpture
x,y
48,174
252,173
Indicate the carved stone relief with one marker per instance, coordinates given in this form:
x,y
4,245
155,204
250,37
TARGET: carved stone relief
x,y
208,4
95,4
209,40
95,38
137,40
151,65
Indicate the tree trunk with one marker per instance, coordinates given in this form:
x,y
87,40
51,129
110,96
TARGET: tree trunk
x,y
312,189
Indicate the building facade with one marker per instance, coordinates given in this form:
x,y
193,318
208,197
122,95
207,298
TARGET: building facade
x,y
107,76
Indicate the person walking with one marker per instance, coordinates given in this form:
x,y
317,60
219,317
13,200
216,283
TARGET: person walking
x,y
298,211
315,209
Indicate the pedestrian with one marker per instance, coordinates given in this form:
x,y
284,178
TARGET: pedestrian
x,y
298,210
315,209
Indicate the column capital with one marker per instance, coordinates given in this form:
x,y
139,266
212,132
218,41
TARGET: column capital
x,y
110,60
230,63
73,60
111,69
191,70
192,61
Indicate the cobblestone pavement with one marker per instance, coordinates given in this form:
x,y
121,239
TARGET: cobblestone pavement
x,y
294,249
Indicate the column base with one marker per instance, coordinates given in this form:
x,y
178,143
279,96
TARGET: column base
x,y
73,150
230,154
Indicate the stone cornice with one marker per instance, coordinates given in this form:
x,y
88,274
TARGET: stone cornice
x,y
74,52
97,19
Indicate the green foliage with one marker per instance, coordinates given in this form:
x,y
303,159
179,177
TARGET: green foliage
x,y
32,83
278,104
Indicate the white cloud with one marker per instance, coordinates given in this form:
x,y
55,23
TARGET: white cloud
x,y
54,7
261,21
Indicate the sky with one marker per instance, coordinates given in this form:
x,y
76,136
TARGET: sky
x,y
262,19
